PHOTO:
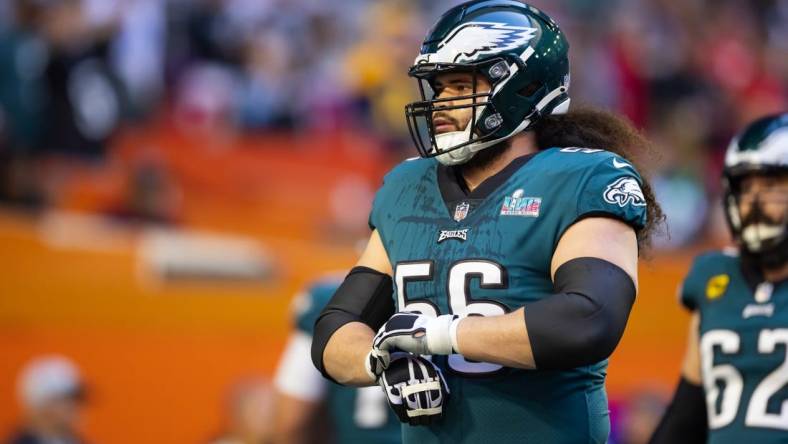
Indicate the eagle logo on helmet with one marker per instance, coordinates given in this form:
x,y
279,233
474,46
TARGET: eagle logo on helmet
x,y
624,191
773,150
474,39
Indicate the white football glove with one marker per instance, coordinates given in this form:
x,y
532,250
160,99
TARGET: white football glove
x,y
418,334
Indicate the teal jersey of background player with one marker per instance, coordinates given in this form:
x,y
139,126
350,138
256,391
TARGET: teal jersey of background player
x,y
743,339
358,415
488,252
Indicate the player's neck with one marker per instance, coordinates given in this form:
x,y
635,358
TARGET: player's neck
x,y
777,274
521,145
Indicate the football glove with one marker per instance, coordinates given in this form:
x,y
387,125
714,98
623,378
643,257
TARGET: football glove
x,y
376,362
417,334
415,389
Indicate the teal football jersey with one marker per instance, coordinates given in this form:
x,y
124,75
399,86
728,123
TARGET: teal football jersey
x,y
358,415
743,339
488,252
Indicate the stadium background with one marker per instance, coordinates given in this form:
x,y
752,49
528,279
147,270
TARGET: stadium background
x,y
172,172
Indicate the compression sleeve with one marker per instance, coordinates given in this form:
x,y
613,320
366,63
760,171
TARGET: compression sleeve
x,y
685,419
583,321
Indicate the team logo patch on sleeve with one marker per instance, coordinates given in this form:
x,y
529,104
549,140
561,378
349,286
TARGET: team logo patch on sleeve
x,y
624,191
517,205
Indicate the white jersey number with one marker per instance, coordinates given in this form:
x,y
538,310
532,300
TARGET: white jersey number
x,y
729,343
490,275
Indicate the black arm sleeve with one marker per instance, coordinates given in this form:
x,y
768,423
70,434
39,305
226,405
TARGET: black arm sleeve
x,y
583,321
364,296
685,419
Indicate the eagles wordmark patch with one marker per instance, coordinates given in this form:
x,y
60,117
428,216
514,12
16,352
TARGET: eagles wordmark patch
x,y
461,235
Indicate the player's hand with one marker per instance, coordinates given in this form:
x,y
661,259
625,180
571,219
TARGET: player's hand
x,y
417,334
415,389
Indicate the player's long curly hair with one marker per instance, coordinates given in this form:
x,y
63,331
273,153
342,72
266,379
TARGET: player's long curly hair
x,y
595,128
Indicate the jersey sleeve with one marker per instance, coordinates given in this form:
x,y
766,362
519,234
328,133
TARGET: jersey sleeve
x,y
308,304
613,189
374,214
407,172
381,200
305,312
687,296
693,289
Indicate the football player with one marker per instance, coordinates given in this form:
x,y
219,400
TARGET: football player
x,y
734,379
356,415
508,251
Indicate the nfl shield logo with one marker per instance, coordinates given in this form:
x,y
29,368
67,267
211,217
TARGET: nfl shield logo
x,y
460,211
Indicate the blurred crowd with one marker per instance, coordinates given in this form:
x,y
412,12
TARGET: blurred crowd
x,y
74,72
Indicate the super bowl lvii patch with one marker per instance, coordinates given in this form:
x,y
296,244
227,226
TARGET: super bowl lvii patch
x,y
518,205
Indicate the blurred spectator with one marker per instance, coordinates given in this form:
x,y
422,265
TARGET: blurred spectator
x,y
23,60
377,66
52,395
149,194
84,105
137,55
249,414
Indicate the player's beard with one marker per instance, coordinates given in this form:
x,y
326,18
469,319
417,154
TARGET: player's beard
x,y
767,234
484,158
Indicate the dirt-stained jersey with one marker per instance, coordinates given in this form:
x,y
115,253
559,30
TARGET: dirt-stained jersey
x,y
743,338
488,252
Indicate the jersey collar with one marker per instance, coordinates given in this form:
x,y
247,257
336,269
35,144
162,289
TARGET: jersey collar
x,y
454,190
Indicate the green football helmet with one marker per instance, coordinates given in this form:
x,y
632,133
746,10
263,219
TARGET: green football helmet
x,y
761,149
519,50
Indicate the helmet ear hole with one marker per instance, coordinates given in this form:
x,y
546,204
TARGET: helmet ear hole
x,y
530,89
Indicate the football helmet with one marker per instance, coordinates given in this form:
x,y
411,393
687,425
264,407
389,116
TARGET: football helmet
x,y
761,149
517,48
